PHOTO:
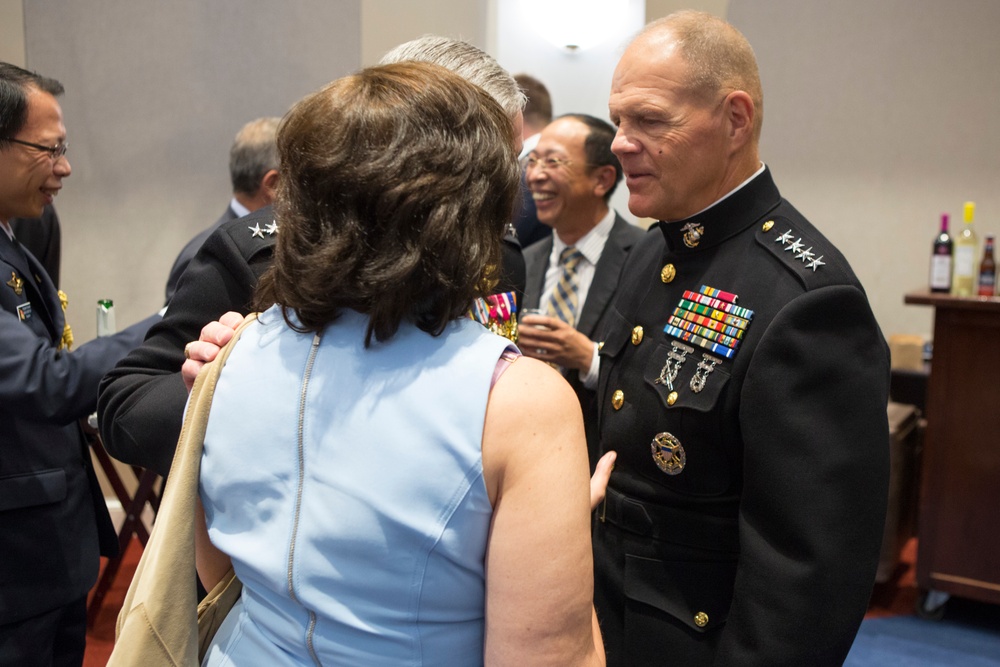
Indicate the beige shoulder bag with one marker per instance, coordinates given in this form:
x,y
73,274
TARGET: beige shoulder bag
x,y
158,624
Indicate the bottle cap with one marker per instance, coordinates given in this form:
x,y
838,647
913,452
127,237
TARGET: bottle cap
x,y
970,210
105,303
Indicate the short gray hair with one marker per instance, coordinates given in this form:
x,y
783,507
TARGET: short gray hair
x,y
253,154
718,56
469,62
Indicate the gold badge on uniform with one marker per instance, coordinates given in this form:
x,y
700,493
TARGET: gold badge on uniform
x,y
692,234
15,284
668,453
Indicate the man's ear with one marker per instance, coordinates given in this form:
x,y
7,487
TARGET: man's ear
x,y
269,185
605,176
740,112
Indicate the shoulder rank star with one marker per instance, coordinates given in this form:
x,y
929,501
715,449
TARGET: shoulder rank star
x,y
15,284
692,234
807,256
271,228
815,263
257,231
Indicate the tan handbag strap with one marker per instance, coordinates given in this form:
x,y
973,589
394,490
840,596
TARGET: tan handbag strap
x,y
158,623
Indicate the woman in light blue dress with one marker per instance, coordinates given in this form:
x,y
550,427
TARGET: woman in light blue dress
x,y
392,483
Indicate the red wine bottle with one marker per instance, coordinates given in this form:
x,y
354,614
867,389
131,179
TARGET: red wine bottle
x,y
941,259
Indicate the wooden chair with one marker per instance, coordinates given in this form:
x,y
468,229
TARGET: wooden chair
x,y
132,504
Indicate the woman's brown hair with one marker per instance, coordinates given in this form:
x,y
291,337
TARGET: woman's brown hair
x,y
396,185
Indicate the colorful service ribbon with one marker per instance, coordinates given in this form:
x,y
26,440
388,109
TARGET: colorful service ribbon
x,y
710,319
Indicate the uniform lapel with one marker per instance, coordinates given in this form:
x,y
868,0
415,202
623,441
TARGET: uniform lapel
x,y
37,286
534,273
605,280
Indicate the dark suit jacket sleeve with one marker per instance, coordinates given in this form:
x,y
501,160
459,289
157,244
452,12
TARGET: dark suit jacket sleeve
x,y
40,383
815,483
142,400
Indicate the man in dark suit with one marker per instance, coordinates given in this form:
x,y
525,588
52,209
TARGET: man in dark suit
x,y
572,174
253,170
743,385
142,400
53,519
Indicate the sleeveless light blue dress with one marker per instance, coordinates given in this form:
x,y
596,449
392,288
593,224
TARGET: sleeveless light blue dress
x,y
354,507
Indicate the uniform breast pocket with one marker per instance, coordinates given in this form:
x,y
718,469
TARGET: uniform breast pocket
x,y
689,378
689,449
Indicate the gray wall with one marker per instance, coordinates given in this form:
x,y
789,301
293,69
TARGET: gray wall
x,y
154,95
875,120
878,118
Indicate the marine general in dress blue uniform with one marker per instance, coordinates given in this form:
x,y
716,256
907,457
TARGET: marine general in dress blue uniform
x,y
53,520
744,383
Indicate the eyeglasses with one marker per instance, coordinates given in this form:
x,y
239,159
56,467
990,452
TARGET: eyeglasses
x,y
55,152
546,163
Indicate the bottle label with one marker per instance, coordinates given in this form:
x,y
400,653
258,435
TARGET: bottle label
x,y
940,272
965,260
987,282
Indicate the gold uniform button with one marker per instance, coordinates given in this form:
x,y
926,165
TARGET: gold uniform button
x,y
600,346
636,335
667,273
671,398
768,225
701,619
617,399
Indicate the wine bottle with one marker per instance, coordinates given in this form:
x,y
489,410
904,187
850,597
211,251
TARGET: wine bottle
x,y
987,270
941,259
963,281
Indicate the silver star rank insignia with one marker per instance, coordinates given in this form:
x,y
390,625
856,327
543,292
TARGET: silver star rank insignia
x,y
257,231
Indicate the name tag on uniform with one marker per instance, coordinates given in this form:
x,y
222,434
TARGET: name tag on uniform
x,y
24,312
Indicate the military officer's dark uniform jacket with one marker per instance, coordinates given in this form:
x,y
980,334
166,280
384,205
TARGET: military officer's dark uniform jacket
x,y
745,511
53,519
141,403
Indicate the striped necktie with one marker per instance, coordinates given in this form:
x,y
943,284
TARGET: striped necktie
x,y
565,299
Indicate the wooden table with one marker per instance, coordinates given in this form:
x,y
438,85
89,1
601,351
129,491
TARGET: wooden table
x,y
958,551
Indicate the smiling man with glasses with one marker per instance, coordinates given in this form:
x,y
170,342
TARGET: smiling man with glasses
x,y
32,152
53,520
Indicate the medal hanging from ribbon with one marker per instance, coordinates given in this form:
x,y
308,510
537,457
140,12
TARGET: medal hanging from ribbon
x,y
497,312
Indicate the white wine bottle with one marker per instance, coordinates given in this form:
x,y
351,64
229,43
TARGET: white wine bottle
x,y
963,282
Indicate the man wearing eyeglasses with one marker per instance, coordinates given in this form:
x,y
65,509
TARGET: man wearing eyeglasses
x,y
53,520
572,275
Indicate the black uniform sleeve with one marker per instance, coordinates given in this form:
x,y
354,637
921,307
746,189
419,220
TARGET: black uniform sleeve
x,y
141,402
816,469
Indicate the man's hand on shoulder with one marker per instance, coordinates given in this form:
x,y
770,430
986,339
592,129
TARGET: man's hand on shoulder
x,y
214,336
